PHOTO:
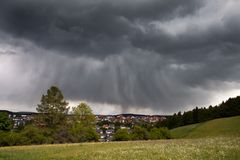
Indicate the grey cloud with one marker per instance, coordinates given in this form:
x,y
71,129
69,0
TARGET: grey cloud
x,y
101,28
134,80
161,55
7,52
140,80
95,28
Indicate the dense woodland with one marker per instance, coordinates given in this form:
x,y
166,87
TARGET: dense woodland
x,y
226,109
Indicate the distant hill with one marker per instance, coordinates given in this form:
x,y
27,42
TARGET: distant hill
x,y
18,113
123,114
217,127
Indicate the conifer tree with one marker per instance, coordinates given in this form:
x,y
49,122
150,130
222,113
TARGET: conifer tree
x,y
53,108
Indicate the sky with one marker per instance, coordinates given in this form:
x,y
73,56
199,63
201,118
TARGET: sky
x,y
138,56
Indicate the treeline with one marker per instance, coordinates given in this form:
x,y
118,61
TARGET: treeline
x,y
55,123
141,133
226,109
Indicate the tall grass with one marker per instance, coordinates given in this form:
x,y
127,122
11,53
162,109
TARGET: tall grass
x,y
179,149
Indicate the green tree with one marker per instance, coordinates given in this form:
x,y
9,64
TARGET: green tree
x,y
195,115
121,135
53,108
83,124
5,122
83,114
140,133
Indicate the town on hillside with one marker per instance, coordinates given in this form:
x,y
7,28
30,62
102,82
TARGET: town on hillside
x,y
106,125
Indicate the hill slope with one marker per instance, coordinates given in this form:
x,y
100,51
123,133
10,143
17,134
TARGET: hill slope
x,y
217,127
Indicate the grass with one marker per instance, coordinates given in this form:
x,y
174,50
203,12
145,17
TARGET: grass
x,y
222,126
180,149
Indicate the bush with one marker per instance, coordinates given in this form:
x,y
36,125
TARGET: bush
x,y
159,133
139,133
165,132
92,135
121,135
12,139
81,133
3,138
35,135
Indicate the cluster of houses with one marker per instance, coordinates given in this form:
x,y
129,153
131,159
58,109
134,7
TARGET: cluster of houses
x,y
130,118
106,124
20,118
106,132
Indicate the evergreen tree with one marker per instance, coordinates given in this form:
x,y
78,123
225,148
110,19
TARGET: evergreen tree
x,y
195,115
5,122
53,108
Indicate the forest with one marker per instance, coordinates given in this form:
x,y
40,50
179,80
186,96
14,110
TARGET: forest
x,y
229,108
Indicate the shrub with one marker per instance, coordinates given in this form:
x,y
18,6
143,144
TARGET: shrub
x,y
139,133
121,135
35,135
92,135
12,139
159,133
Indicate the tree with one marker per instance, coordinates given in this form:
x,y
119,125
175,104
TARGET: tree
x,y
83,124
83,114
121,135
139,133
5,122
195,115
53,108
187,117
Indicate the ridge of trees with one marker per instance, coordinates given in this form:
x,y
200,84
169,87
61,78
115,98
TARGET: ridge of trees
x,y
229,108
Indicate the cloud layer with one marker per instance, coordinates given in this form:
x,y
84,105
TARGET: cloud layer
x,y
162,56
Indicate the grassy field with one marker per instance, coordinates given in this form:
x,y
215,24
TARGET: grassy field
x,y
218,127
180,149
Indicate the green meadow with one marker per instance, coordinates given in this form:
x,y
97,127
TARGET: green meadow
x,y
217,127
180,149
217,139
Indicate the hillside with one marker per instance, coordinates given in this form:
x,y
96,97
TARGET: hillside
x,y
218,127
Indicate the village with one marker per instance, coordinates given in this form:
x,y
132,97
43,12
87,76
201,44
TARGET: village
x,y
106,125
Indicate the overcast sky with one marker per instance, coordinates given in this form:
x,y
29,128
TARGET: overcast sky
x,y
138,56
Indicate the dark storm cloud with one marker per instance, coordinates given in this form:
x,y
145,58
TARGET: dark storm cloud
x,y
95,28
158,54
101,28
148,80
